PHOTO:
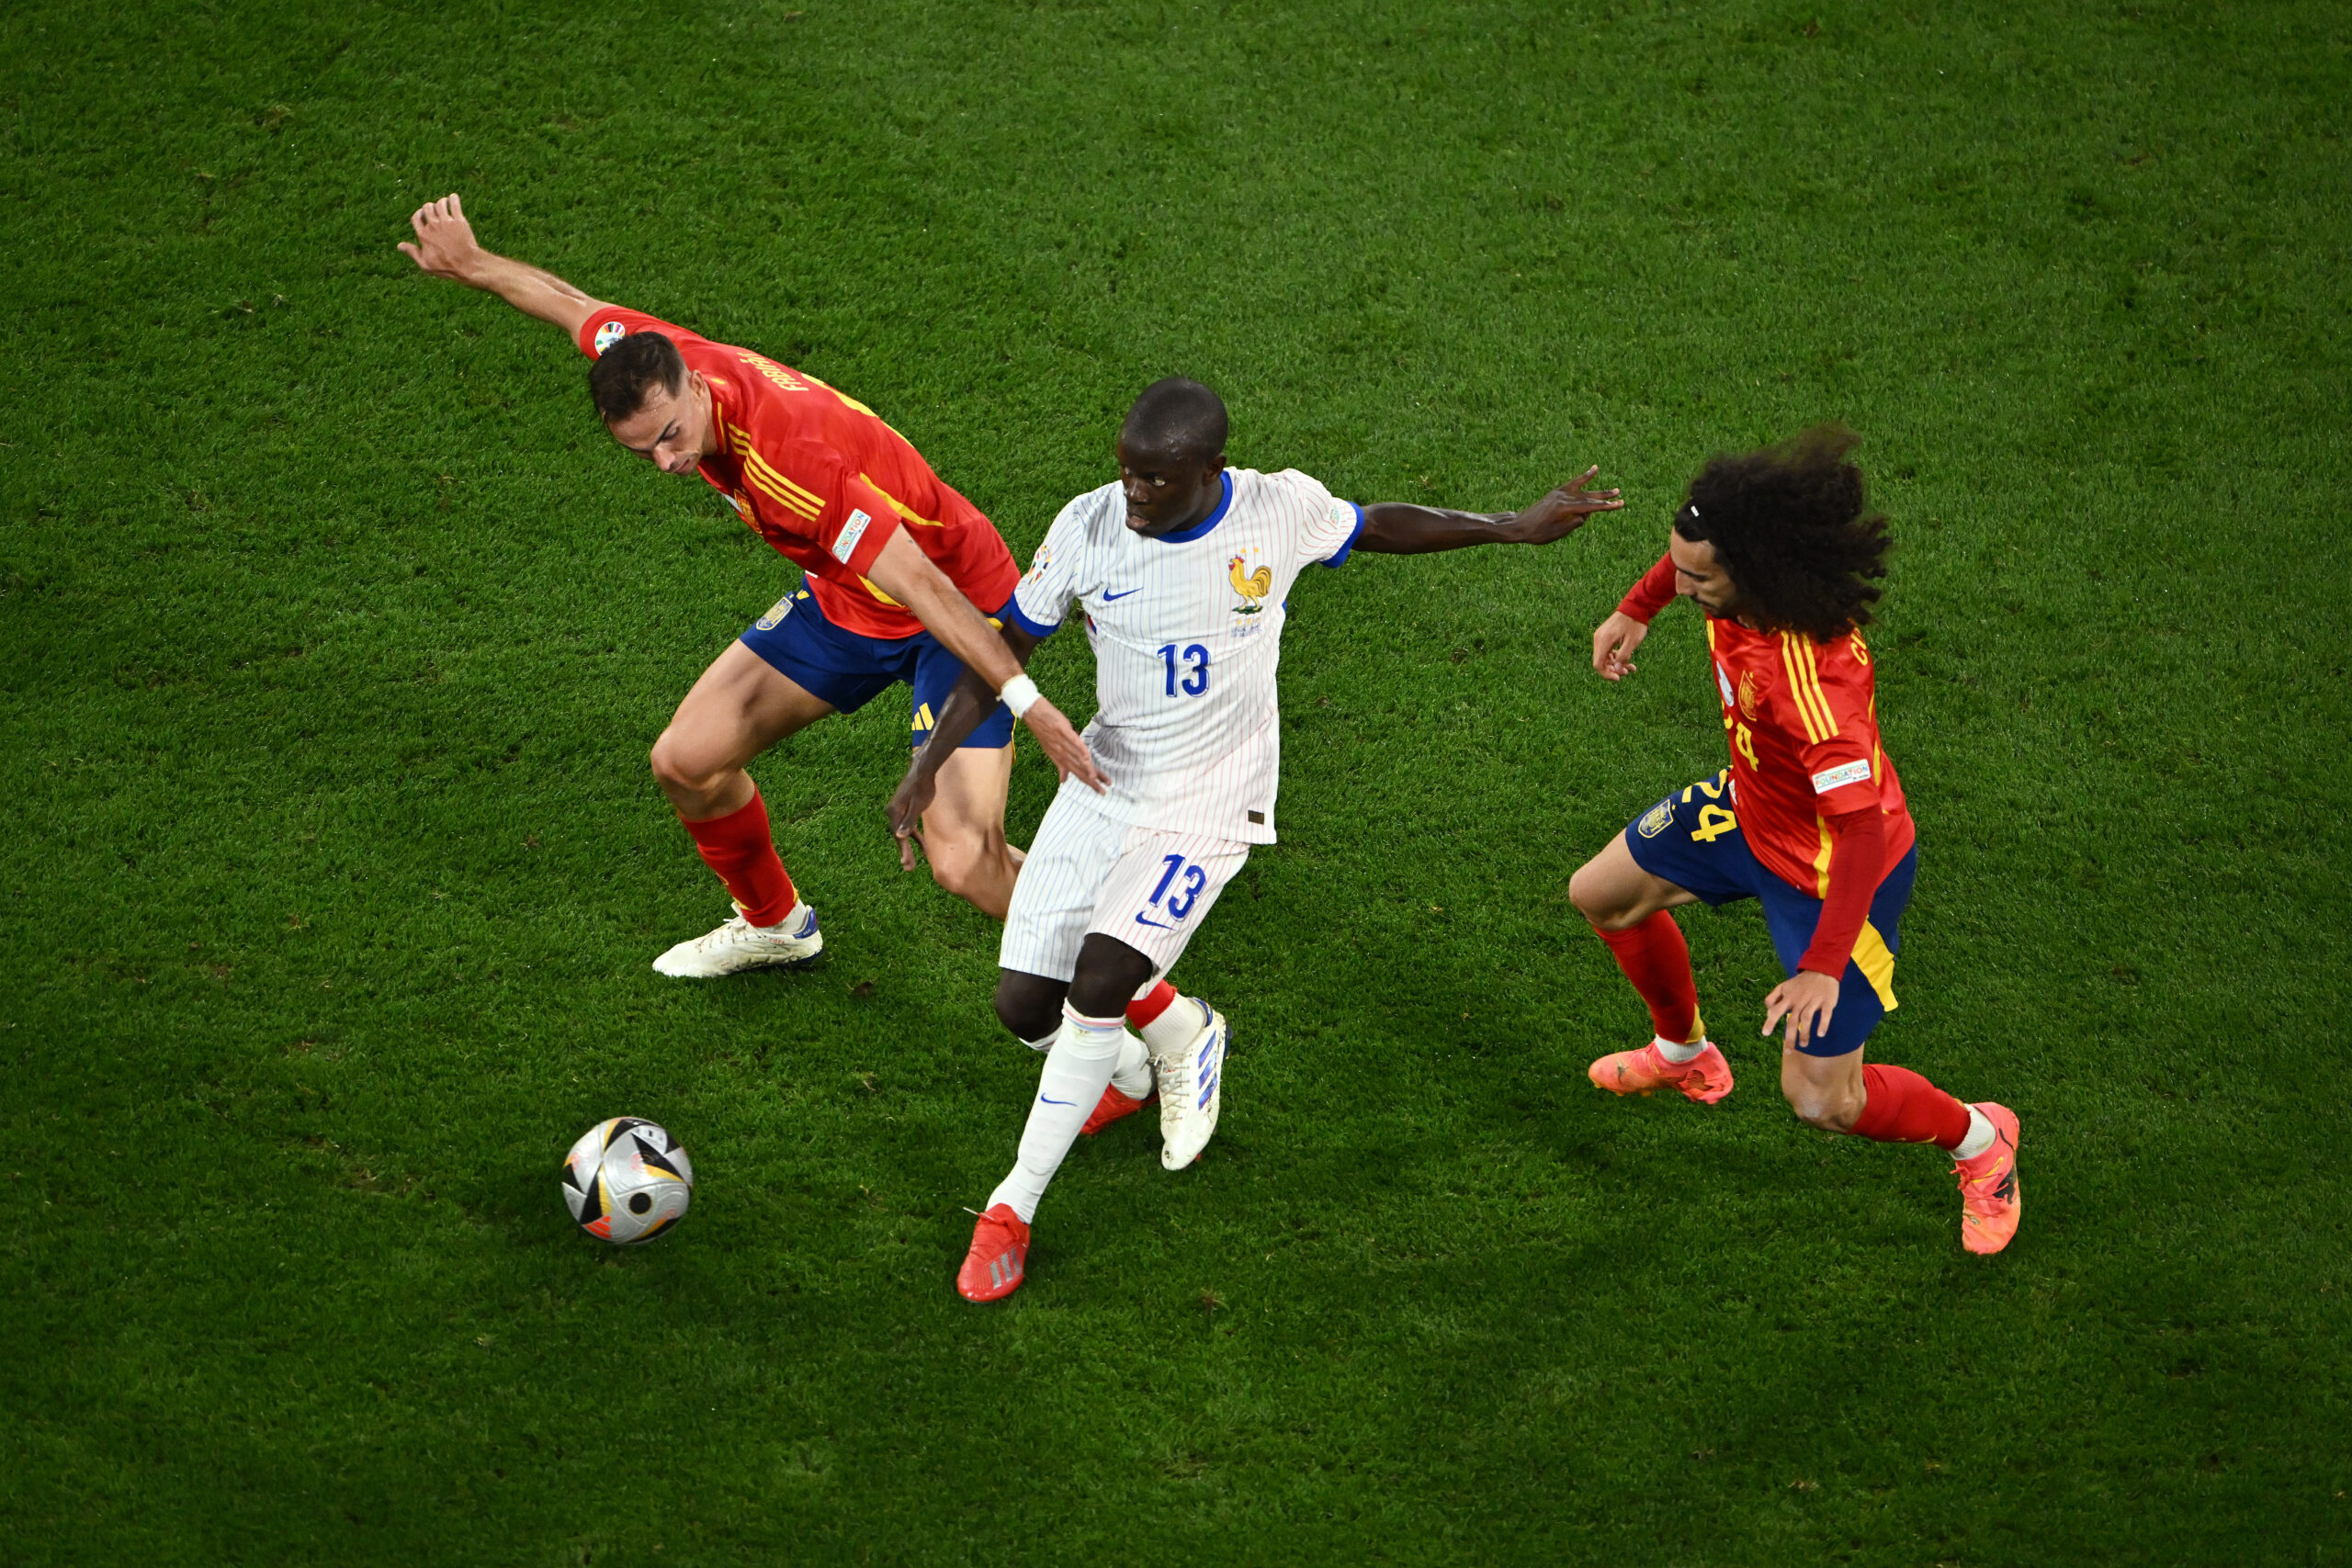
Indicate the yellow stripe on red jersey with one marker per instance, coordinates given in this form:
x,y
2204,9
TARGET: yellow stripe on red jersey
x,y
1801,722
823,479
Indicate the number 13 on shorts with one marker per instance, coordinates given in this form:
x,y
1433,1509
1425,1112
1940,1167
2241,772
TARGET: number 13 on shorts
x,y
1180,888
1087,873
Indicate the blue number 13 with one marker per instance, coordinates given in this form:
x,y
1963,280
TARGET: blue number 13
x,y
1180,903
1196,680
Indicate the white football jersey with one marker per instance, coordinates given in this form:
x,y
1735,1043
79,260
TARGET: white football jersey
x,y
1187,632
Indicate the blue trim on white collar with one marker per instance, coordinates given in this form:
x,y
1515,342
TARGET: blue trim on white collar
x,y
1200,530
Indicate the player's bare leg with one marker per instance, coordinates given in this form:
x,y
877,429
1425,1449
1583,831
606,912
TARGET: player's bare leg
x,y
1627,908
1894,1105
740,707
1615,894
1824,1092
963,829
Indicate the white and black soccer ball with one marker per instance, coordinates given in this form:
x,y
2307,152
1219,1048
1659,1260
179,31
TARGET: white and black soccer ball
x,y
627,1181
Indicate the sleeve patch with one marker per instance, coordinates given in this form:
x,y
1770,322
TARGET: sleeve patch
x,y
1345,515
846,546
1839,777
608,334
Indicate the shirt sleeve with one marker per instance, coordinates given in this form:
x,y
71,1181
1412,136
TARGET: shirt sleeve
x,y
1051,581
1857,865
810,490
614,323
1331,526
1825,699
1654,593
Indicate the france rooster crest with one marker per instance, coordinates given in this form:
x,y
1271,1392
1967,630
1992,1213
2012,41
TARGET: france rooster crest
x,y
1251,585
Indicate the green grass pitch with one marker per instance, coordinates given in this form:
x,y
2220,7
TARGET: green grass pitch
x,y
333,633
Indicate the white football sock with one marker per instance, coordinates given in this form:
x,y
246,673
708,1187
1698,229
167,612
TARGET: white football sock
x,y
1676,1054
1132,1076
1981,1134
1174,1029
785,927
1076,1071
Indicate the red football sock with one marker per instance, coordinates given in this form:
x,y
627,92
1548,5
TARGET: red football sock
x,y
1154,1002
1904,1108
741,849
1658,961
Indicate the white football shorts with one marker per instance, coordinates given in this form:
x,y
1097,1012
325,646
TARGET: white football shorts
x,y
1087,872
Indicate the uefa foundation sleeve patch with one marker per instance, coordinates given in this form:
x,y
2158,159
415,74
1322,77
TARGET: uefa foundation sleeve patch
x,y
1839,777
846,546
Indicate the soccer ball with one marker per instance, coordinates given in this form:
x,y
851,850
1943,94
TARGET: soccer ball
x,y
627,1181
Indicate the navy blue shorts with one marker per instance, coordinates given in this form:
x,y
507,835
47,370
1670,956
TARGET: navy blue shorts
x,y
1693,841
848,671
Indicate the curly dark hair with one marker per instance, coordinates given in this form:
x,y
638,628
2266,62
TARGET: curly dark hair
x,y
1790,525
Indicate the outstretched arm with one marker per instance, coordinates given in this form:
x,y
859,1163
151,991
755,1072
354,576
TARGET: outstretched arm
x,y
905,573
446,248
1400,529
1614,639
967,706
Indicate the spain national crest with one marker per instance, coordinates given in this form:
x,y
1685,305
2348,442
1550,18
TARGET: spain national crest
x,y
1751,695
1657,818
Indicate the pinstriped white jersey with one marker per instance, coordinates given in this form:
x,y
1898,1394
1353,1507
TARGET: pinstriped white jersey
x,y
1187,633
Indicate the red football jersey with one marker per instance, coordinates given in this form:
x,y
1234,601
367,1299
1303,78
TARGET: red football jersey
x,y
819,476
1803,720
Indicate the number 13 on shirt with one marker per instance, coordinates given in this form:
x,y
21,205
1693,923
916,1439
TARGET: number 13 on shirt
x,y
1197,676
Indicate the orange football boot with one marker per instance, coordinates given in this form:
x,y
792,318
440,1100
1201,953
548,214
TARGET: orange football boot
x,y
992,1269
1114,1106
1990,1200
1705,1078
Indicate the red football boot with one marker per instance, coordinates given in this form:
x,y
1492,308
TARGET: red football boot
x,y
1114,1106
1990,1199
1705,1078
992,1270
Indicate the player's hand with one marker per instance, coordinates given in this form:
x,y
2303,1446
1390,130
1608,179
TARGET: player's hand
x,y
1808,998
1613,644
1563,511
907,807
445,241
1064,745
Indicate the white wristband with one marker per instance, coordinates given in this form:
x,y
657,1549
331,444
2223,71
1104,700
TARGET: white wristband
x,y
1019,694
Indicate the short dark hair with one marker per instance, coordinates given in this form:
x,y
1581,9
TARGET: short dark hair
x,y
1790,525
1179,416
625,374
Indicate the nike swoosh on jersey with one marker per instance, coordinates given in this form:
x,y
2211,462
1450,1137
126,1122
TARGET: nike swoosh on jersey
x,y
1108,595
1163,925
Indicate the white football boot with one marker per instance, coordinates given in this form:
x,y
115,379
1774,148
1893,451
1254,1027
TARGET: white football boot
x,y
791,943
1192,1085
